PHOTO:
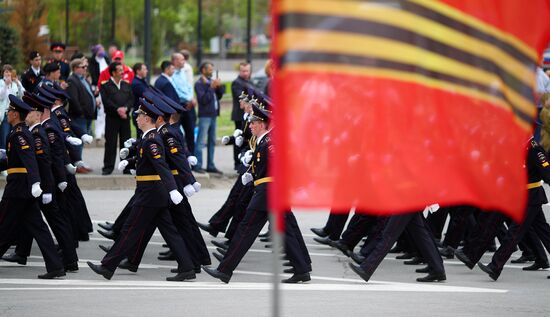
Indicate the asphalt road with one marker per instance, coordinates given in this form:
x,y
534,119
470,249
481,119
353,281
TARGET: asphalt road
x,y
334,289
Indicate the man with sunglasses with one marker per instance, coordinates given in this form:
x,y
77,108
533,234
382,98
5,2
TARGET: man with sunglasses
x,y
82,102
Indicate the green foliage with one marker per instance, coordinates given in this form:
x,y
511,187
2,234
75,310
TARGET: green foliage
x,y
174,22
9,50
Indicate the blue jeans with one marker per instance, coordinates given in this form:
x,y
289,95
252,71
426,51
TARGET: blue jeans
x,y
5,128
85,125
207,127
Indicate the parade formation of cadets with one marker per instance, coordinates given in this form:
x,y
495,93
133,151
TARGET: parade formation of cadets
x,y
40,159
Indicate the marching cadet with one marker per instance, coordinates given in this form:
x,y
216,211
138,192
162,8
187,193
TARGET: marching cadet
x,y
220,220
415,224
257,215
58,221
18,206
32,76
538,170
82,223
181,213
57,50
155,190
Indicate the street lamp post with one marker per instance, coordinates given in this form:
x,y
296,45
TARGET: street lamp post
x,y
249,31
66,22
199,34
147,42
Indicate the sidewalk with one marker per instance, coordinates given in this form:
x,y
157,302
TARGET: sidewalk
x,y
93,156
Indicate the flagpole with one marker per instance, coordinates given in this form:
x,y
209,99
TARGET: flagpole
x,y
276,238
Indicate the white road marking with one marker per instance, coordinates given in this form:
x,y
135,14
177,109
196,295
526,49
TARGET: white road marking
x,y
64,284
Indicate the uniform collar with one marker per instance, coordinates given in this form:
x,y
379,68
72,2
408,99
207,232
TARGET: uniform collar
x,y
33,126
262,136
145,133
158,129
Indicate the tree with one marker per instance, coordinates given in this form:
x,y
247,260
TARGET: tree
x,y
9,51
27,17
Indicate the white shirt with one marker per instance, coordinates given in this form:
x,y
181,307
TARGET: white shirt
x,y
102,63
262,136
144,134
188,70
34,125
35,70
117,85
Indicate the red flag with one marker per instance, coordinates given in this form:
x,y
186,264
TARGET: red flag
x,y
389,106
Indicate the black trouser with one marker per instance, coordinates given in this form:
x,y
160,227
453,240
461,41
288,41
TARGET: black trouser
x,y
134,230
335,223
436,221
535,219
249,228
483,235
358,227
237,149
417,228
76,208
188,120
18,213
374,237
240,210
121,219
115,127
457,225
221,218
61,228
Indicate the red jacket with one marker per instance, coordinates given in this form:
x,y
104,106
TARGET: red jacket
x,y
104,76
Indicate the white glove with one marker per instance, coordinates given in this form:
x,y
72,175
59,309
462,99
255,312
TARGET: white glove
x,y
237,133
46,198
239,141
86,138
246,178
133,172
122,165
176,197
62,186
123,154
197,186
2,154
225,139
70,168
73,141
36,190
129,142
247,157
192,160
188,190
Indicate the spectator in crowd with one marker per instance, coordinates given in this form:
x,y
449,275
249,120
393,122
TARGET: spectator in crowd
x,y
9,85
209,93
82,102
542,87
128,73
187,68
118,100
165,82
98,63
239,85
184,89
139,85
32,76
58,49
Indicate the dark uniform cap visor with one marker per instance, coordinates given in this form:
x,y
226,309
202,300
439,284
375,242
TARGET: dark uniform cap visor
x,y
17,104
